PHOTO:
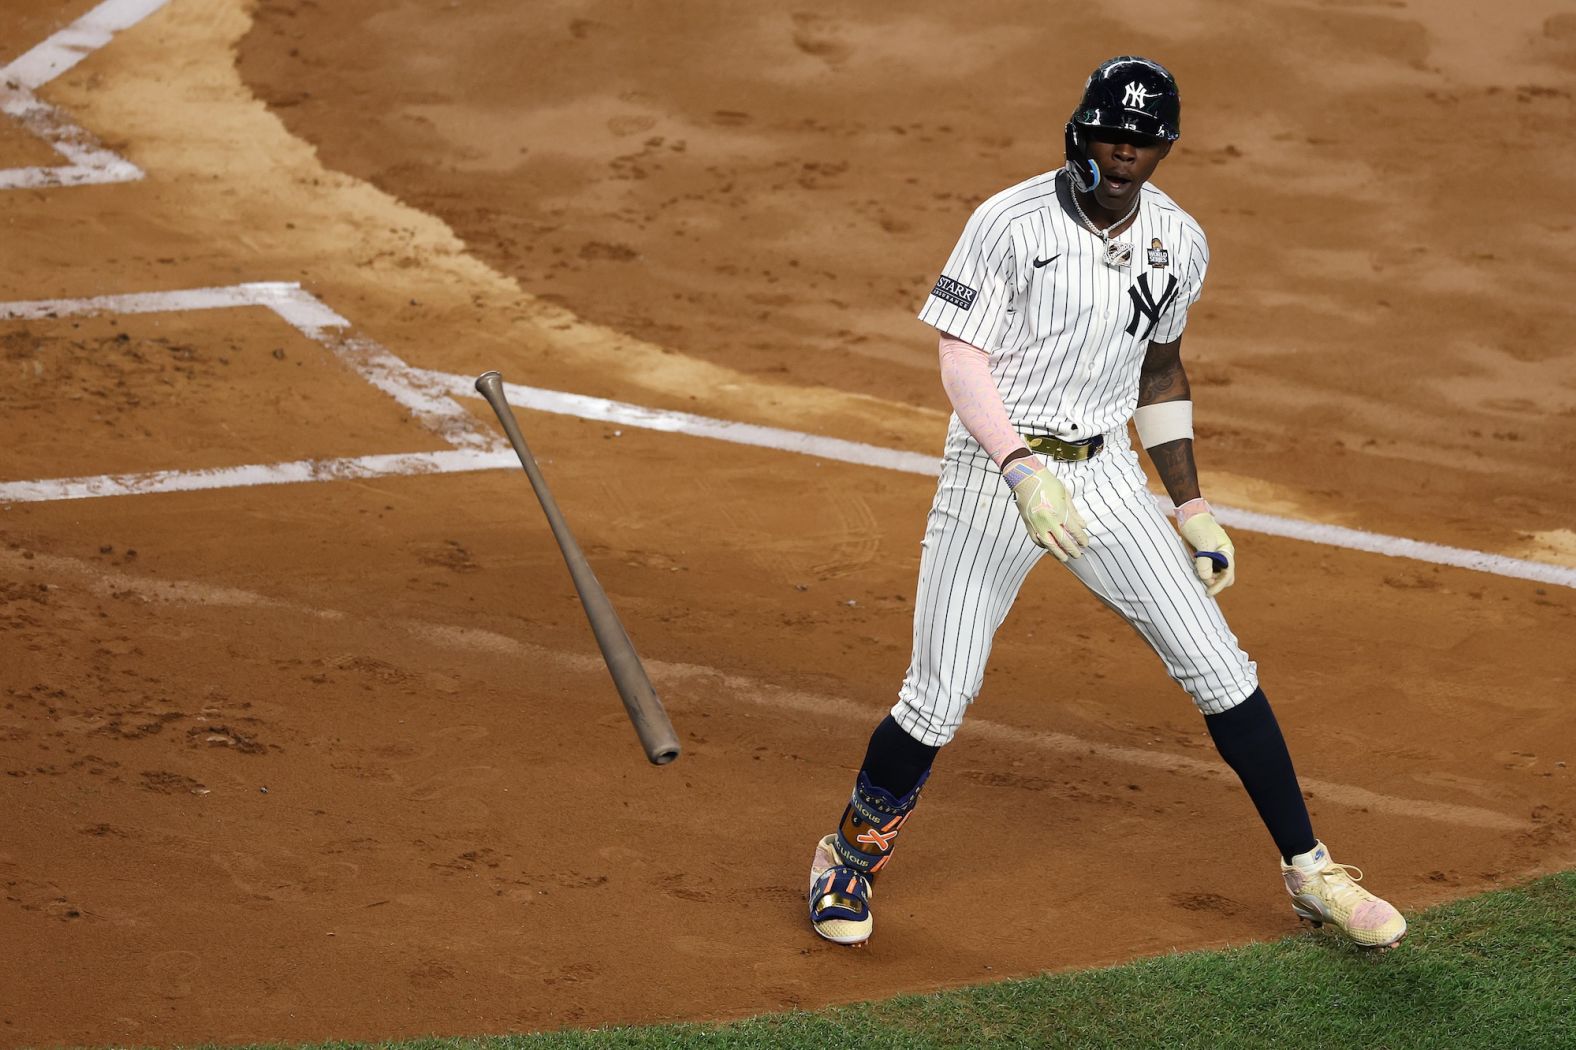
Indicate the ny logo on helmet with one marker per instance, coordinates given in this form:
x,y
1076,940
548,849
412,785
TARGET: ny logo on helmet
x,y
1136,96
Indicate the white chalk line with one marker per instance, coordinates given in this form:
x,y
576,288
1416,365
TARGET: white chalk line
x,y
1394,546
915,463
110,581
476,448
90,163
602,410
68,46
300,308
431,398
393,465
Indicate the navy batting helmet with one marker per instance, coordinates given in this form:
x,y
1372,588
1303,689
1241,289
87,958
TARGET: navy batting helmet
x,y
1126,94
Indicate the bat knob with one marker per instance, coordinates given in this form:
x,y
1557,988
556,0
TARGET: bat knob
x,y
489,381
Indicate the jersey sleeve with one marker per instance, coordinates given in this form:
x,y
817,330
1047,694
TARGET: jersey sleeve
x,y
974,294
1174,318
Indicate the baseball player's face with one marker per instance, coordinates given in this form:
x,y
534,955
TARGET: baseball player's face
x,y
1126,161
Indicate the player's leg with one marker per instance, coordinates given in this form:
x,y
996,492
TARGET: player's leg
x,y
1139,566
1249,738
974,558
846,862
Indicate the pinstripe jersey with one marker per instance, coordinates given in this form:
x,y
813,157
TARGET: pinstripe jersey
x,y
1066,333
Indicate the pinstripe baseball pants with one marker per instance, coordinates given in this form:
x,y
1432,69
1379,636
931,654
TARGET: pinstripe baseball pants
x,y
976,555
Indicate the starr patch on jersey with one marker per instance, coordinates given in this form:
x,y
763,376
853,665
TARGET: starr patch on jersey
x,y
955,292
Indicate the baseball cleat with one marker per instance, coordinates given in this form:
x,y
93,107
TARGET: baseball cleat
x,y
839,898
1330,894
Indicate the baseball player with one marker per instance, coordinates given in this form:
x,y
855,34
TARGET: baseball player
x,y
1061,313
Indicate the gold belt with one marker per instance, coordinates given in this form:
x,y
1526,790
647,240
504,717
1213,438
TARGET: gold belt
x,y
1069,451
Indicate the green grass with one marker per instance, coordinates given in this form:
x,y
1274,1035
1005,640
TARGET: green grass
x,y
1497,971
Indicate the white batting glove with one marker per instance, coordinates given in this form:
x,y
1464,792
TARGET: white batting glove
x,y
1048,512
1214,557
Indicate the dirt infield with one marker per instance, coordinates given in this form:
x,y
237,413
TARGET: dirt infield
x,y
340,759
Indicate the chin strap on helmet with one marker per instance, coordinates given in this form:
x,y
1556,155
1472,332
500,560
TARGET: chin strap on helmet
x,y
1082,170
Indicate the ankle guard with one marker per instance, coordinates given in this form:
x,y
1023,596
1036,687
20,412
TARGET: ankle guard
x,y
870,824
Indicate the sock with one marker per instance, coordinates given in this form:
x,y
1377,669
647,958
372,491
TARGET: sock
x,y
1249,739
894,760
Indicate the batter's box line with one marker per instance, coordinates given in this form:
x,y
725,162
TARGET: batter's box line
x,y
91,163
913,463
476,448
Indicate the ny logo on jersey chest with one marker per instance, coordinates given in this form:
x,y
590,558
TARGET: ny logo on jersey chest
x,y
1146,306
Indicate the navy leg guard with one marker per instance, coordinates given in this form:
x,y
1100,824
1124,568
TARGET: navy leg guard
x,y
871,823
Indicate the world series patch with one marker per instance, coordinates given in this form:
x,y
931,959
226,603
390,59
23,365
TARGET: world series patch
x,y
1158,256
955,292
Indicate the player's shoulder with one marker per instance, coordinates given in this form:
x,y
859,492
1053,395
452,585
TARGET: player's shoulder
x,y
1018,200
1163,206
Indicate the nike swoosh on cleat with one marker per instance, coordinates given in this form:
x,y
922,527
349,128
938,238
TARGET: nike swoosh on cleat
x,y
1046,262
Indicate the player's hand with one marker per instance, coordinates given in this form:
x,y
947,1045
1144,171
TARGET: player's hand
x,y
1207,538
1049,515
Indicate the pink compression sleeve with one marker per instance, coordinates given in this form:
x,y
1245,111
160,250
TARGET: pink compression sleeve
x,y
965,373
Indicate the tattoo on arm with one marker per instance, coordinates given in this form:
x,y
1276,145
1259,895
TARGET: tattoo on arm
x,y
1174,463
1164,379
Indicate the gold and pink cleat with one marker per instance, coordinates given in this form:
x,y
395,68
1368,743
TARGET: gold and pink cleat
x,y
1330,894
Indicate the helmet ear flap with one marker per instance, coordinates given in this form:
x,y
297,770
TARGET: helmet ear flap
x,y
1082,170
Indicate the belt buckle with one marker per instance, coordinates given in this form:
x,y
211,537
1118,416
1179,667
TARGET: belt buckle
x,y
1066,451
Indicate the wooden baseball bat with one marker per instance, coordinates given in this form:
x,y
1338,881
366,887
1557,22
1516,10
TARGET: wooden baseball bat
x,y
629,674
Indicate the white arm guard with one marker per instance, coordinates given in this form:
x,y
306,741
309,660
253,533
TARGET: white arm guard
x,y
1166,421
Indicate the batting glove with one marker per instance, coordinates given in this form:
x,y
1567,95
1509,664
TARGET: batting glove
x,y
1214,557
1049,515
